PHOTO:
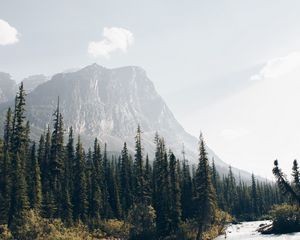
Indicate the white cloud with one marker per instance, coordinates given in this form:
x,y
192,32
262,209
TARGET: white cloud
x,y
278,67
113,39
8,34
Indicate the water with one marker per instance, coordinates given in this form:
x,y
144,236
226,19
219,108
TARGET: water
x,y
247,231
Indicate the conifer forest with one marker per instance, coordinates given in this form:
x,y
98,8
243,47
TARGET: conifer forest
x,y
57,179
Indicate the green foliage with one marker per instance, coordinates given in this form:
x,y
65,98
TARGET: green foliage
x,y
286,218
205,200
188,230
54,190
115,228
5,233
33,226
142,220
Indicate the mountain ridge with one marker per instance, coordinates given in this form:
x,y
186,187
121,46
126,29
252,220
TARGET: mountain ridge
x,y
109,104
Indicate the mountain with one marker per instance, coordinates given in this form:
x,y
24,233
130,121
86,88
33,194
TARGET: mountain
x,y
31,82
109,104
7,87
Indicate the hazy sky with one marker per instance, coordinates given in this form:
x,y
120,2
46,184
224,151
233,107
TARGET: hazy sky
x,y
229,68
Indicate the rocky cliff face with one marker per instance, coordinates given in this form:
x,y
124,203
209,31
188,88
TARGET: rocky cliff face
x,y
7,87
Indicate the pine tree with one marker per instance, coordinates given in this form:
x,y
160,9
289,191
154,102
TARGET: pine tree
x,y
19,198
125,175
175,194
296,176
140,196
186,196
35,185
254,196
161,188
5,169
106,207
284,185
49,207
205,192
148,180
114,197
80,191
56,163
232,192
95,203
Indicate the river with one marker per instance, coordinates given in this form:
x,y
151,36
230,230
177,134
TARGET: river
x,y
247,231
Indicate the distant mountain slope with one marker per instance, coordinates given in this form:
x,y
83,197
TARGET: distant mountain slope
x,y
109,104
31,82
7,87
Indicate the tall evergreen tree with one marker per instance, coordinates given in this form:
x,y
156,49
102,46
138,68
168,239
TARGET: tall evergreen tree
x,y
5,169
125,175
296,176
175,194
205,192
80,190
56,163
19,198
161,188
254,196
106,207
35,185
140,195
186,188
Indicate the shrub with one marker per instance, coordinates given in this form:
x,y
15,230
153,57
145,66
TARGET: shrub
x,y
188,230
142,220
5,233
286,218
115,228
33,226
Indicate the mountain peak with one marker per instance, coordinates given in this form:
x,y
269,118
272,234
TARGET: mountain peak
x,y
93,67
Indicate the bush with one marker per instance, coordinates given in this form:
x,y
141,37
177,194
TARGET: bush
x,y
115,228
33,226
188,230
5,233
286,218
142,220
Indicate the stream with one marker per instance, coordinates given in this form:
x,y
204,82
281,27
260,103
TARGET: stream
x,y
247,231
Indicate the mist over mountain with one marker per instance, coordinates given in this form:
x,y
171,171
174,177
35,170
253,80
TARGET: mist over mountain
x,y
8,87
31,82
109,104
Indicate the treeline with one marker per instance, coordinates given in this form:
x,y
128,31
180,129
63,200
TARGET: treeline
x,y
63,180
246,201
286,216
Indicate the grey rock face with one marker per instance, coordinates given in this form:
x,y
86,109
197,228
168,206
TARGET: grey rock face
x,y
31,82
7,87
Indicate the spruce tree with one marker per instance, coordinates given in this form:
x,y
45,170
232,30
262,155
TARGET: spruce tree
x,y
106,207
205,192
175,194
19,197
5,169
56,163
140,196
186,196
35,185
80,190
148,181
113,189
125,175
161,188
296,176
